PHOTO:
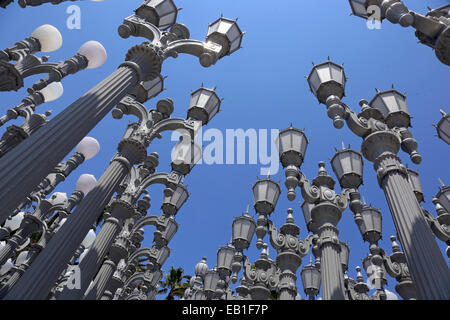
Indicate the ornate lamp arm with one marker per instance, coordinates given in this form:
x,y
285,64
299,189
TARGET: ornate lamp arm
x,y
441,230
310,193
56,71
358,126
305,245
20,50
136,26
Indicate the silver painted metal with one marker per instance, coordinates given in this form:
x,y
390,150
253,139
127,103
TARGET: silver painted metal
x,y
290,251
143,63
12,75
264,276
382,139
311,279
49,227
323,208
432,29
443,127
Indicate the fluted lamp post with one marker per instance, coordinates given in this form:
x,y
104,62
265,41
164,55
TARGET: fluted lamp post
x,y
443,127
143,63
383,126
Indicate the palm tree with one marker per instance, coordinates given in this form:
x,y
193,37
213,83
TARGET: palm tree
x,y
173,283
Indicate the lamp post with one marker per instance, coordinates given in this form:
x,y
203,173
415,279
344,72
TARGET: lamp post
x,y
443,127
45,38
28,105
290,250
432,29
49,227
382,124
90,55
166,229
143,63
325,206
263,277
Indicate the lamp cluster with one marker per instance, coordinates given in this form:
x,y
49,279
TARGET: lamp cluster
x,y
101,218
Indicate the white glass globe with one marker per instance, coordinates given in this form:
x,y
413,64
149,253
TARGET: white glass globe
x,y
88,147
85,183
21,258
94,52
89,239
49,37
52,92
6,267
14,222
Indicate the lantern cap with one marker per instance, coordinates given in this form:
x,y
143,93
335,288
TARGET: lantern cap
x,y
323,179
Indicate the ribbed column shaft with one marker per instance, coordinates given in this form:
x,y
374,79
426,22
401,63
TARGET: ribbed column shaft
x,y
101,280
7,251
40,277
26,166
330,265
289,292
94,258
426,264
10,283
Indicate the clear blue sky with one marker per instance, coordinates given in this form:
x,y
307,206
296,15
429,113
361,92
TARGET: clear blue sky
x,y
263,87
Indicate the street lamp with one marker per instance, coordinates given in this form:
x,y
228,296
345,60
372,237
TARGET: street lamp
x,y
311,280
327,82
161,13
227,33
443,127
347,165
432,29
382,140
204,105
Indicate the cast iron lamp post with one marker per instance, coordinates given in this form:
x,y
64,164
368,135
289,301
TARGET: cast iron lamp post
x,y
90,55
443,127
382,124
441,224
325,206
36,221
27,107
136,138
45,38
290,250
143,62
175,197
433,29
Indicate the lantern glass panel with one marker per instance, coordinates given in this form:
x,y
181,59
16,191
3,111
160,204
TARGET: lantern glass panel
x,y
359,8
444,198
